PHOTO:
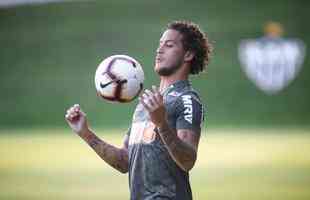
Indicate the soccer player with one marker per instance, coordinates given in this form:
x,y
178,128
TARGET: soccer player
x,y
161,145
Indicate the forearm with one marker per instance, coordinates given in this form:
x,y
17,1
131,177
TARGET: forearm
x,y
182,153
115,157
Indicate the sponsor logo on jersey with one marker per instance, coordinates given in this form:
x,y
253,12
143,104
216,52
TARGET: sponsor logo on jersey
x,y
271,63
188,105
174,93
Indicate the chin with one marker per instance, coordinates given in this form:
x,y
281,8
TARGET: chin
x,y
157,68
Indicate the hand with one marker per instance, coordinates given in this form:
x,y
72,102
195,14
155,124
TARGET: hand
x,y
76,119
154,104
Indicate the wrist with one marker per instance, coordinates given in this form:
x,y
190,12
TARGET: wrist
x,y
84,133
163,126
164,129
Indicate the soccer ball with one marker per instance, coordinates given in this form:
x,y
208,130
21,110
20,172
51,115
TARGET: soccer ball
x,y
119,78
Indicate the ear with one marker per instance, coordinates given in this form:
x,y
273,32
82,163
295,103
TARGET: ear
x,y
189,56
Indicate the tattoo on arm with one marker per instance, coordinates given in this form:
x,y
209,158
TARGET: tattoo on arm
x,y
115,157
183,154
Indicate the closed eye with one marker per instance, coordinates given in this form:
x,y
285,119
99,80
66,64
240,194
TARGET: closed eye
x,y
168,43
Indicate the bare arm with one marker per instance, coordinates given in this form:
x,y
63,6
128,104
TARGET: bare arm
x,y
182,146
115,157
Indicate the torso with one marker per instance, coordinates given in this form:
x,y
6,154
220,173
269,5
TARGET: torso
x,y
152,172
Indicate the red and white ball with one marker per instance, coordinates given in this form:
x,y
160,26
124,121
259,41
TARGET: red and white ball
x,y
119,78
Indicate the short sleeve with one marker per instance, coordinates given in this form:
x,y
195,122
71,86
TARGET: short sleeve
x,y
189,112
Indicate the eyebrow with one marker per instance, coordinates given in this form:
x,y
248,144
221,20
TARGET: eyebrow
x,y
167,41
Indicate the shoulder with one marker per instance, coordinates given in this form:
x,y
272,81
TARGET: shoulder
x,y
192,95
180,94
188,96
185,100
183,97
189,111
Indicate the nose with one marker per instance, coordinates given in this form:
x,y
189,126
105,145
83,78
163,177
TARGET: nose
x,y
159,49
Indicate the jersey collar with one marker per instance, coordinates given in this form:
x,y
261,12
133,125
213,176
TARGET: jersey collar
x,y
175,85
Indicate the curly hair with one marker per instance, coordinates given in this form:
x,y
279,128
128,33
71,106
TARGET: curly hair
x,y
195,40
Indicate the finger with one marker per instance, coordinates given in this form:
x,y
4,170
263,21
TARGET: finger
x,y
152,105
151,98
148,92
71,113
68,117
74,117
74,114
158,97
155,89
71,110
76,107
146,99
146,106
144,95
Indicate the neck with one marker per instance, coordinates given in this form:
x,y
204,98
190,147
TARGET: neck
x,y
166,81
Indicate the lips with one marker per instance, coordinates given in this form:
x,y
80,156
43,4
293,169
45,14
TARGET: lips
x,y
158,59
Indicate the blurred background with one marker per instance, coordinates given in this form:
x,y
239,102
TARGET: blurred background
x,y
254,144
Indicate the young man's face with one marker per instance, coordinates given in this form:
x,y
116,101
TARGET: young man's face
x,y
170,53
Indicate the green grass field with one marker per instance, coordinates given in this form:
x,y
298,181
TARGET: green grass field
x,y
232,164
